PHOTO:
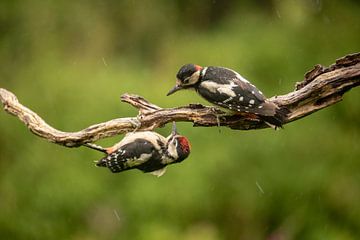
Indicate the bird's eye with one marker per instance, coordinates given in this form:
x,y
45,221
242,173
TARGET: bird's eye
x,y
186,80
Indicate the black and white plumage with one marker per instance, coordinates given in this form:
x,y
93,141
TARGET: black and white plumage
x,y
226,88
147,151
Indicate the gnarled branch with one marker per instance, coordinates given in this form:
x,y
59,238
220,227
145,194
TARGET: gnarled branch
x,y
321,88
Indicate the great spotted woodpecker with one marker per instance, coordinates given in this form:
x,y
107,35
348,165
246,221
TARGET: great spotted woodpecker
x,y
147,151
227,88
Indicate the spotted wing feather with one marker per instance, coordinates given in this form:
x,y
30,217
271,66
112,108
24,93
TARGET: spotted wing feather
x,y
230,90
140,154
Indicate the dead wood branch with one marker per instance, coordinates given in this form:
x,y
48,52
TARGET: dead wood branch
x,y
322,87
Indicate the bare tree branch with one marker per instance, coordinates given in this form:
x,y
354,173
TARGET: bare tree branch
x,y
321,88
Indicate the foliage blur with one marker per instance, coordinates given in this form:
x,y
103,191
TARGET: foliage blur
x,y
71,60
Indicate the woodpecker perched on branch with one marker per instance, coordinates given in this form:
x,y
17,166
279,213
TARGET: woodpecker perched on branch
x,y
227,88
147,151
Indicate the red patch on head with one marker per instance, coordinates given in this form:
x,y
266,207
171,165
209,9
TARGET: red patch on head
x,y
185,144
198,68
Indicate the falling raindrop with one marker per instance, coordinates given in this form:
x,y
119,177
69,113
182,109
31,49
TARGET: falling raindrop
x,y
318,5
278,14
103,60
260,188
117,215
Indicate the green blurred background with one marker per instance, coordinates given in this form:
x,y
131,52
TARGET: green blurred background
x,y
71,60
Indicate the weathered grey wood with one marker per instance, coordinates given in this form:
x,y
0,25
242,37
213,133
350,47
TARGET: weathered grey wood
x,y
321,88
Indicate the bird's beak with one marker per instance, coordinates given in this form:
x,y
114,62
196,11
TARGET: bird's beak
x,y
174,131
174,89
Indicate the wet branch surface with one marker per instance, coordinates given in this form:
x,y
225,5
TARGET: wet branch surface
x,y
322,87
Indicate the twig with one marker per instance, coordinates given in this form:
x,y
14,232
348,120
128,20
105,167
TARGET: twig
x,y
321,88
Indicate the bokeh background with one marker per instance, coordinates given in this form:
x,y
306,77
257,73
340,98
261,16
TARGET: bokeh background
x,y
71,60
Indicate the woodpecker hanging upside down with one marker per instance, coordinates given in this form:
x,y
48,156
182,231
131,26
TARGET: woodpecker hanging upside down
x,y
147,151
227,88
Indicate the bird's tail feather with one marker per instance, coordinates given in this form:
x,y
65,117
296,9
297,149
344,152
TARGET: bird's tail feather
x,y
278,119
101,162
113,163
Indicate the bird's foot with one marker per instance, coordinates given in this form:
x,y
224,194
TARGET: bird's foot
x,y
136,123
95,147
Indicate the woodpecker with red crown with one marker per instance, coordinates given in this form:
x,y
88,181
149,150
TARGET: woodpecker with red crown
x,y
228,89
147,151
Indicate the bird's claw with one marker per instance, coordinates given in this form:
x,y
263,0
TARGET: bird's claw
x,y
135,123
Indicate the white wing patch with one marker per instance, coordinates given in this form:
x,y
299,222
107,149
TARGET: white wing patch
x,y
132,162
221,88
